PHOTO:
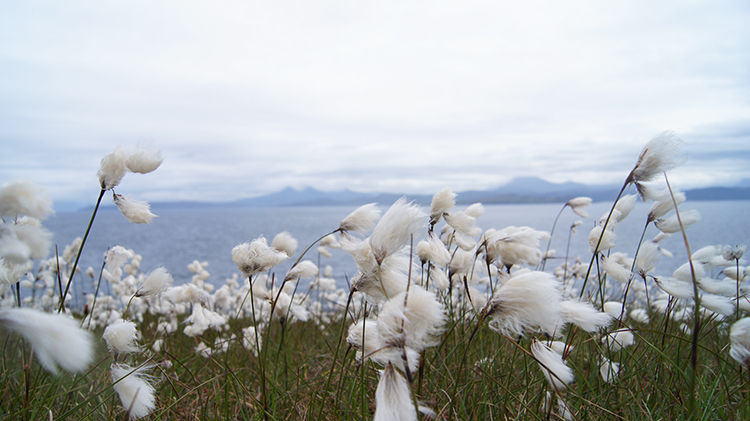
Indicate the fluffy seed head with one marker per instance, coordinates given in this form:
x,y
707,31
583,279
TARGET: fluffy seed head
x,y
56,339
21,197
419,323
608,370
579,205
625,206
661,208
433,250
393,398
584,315
607,239
284,241
144,161
304,270
736,253
740,340
113,168
528,300
362,220
558,374
442,202
136,211
134,388
155,282
661,154
257,256
476,210
463,223
121,336
617,271
671,225
619,339
647,258
396,228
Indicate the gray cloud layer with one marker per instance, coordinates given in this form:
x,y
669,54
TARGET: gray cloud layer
x,y
245,98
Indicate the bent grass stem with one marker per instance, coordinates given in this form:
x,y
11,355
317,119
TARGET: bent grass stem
x,y
80,250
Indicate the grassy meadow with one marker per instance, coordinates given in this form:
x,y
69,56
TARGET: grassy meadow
x,y
443,321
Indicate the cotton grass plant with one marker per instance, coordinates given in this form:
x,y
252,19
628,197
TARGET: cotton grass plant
x,y
444,319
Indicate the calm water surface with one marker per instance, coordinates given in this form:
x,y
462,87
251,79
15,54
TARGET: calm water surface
x,y
179,236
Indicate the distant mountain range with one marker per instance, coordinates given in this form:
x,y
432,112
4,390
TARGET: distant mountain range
x,y
519,190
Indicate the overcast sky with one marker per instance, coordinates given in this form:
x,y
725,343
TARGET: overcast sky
x,y
247,97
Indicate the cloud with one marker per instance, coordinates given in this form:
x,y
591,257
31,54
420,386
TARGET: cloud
x,y
248,98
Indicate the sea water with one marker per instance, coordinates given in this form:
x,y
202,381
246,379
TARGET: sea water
x,y
179,236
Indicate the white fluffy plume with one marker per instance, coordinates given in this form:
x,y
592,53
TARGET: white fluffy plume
x,y
56,338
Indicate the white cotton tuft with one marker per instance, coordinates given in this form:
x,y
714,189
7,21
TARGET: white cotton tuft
x,y
618,339
685,272
558,374
608,370
584,315
201,319
115,257
121,336
729,253
12,249
285,306
284,241
527,300
639,315
257,256
187,293
442,202
661,154
625,206
647,258
21,197
37,238
155,282
663,207
113,168
463,223
718,304
399,224
739,337
607,239
362,219
56,338
438,278
515,245
671,225
723,287
393,398
365,337
136,211
705,254
476,210
614,308
579,205
144,161
134,388
305,269
419,323
433,250
616,270
675,287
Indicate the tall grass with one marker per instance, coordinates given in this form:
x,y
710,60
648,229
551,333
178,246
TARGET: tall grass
x,y
300,361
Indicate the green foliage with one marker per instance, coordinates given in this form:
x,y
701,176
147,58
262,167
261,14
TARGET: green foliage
x,y
489,377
